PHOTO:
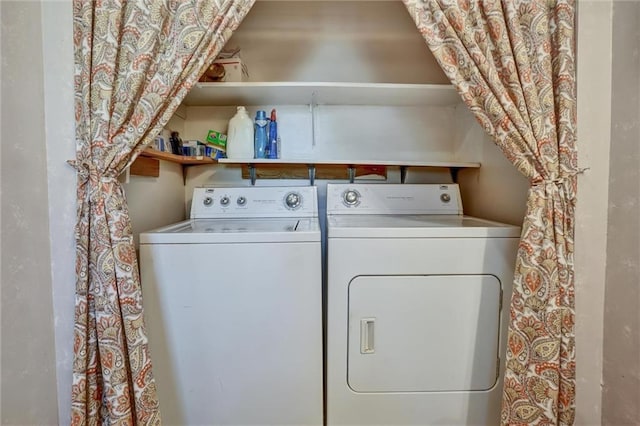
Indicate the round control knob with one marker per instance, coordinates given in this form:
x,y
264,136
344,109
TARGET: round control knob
x,y
293,200
207,201
351,197
445,198
224,201
241,201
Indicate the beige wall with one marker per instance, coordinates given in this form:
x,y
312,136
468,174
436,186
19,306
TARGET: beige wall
x,y
155,201
594,128
57,40
496,191
317,50
28,356
621,372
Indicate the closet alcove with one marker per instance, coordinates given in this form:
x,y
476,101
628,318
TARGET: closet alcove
x,y
353,82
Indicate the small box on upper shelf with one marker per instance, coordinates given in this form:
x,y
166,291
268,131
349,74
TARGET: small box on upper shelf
x,y
234,69
227,67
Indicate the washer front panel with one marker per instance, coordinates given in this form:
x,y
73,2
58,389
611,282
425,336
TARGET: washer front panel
x,y
235,332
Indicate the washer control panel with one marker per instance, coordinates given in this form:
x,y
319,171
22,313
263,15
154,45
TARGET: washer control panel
x,y
394,199
293,200
254,202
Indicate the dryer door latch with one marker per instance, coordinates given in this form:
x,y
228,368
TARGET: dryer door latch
x,y
367,330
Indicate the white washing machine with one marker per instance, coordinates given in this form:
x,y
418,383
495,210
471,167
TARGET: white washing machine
x,y
418,298
233,307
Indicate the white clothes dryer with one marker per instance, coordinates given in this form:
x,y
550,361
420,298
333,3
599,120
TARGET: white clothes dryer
x,y
418,298
233,307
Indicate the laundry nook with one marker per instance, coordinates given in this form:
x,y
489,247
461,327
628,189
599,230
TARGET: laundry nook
x,y
320,212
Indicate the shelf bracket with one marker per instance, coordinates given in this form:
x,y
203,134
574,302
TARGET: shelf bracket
x,y
454,174
312,173
312,109
403,174
252,173
352,173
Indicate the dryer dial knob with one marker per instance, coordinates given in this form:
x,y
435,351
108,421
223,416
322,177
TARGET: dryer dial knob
x,y
293,200
224,201
351,197
241,201
207,201
445,198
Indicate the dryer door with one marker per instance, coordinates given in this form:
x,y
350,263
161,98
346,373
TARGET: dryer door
x,y
427,333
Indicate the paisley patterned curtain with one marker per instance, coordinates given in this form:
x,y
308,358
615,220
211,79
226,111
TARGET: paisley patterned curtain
x,y
513,63
134,63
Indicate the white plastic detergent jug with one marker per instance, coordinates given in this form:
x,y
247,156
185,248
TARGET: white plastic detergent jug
x,y
240,135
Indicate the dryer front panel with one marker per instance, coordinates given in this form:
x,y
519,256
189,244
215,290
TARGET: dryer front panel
x,y
423,333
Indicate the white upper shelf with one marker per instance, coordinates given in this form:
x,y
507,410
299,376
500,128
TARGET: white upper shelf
x,y
455,164
303,93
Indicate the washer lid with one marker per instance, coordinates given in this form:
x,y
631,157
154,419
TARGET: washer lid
x,y
211,231
416,226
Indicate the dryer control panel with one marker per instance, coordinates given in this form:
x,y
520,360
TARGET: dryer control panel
x,y
248,202
439,199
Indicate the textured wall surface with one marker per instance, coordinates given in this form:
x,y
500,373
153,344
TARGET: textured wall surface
x,y
28,356
621,370
155,201
57,40
594,134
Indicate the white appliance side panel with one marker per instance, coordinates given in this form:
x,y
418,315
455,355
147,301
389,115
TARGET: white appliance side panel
x,y
423,333
235,332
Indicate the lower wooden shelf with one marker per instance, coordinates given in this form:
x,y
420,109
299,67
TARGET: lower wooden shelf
x,y
409,163
180,159
254,168
148,163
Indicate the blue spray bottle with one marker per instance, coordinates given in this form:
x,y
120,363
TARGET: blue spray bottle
x,y
273,136
260,136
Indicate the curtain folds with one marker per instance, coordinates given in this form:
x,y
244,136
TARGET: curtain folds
x,y
513,63
134,63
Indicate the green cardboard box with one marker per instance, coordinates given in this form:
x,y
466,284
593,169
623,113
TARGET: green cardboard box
x,y
217,140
